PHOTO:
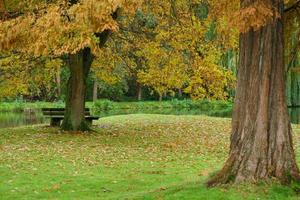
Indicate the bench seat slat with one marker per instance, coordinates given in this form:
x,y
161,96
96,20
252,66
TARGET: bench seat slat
x,y
57,115
91,117
61,117
59,109
51,113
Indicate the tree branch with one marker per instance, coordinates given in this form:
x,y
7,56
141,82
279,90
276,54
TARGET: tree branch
x,y
293,7
104,35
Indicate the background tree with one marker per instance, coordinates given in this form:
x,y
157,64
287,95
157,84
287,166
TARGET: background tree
x,y
178,34
56,28
34,79
110,73
292,44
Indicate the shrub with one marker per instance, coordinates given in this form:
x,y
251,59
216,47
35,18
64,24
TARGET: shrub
x,y
103,105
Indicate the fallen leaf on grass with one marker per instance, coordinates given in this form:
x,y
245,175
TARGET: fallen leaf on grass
x,y
105,189
163,188
54,187
204,172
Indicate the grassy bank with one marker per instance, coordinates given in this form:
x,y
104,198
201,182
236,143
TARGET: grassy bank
x,y
211,108
20,106
129,157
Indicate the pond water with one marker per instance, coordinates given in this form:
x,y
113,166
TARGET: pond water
x,y
15,119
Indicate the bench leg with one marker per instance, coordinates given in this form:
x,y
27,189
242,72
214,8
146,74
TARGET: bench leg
x,y
55,122
89,122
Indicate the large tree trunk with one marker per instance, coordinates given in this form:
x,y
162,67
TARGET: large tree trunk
x,y
261,142
79,66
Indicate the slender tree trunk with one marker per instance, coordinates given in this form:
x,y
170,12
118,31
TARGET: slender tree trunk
x,y
95,91
58,82
180,93
139,92
2,6
79,66
3,10
160,97
165,94
261,142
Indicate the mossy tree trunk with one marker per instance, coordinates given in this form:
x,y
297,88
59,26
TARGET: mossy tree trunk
x,y
80,64
261,141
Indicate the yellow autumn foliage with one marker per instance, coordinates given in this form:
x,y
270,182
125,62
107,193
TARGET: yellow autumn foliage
x,y
170,46
61,28
173,52
24,76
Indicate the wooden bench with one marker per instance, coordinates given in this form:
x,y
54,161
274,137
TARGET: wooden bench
x,y
56,115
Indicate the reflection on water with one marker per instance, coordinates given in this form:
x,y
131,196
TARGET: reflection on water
x,y
12,119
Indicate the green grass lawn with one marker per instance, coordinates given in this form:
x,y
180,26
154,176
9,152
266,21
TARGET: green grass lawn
x,y
129,157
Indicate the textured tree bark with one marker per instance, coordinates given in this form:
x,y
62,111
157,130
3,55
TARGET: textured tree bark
x,y
95,91
79,66
261,141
